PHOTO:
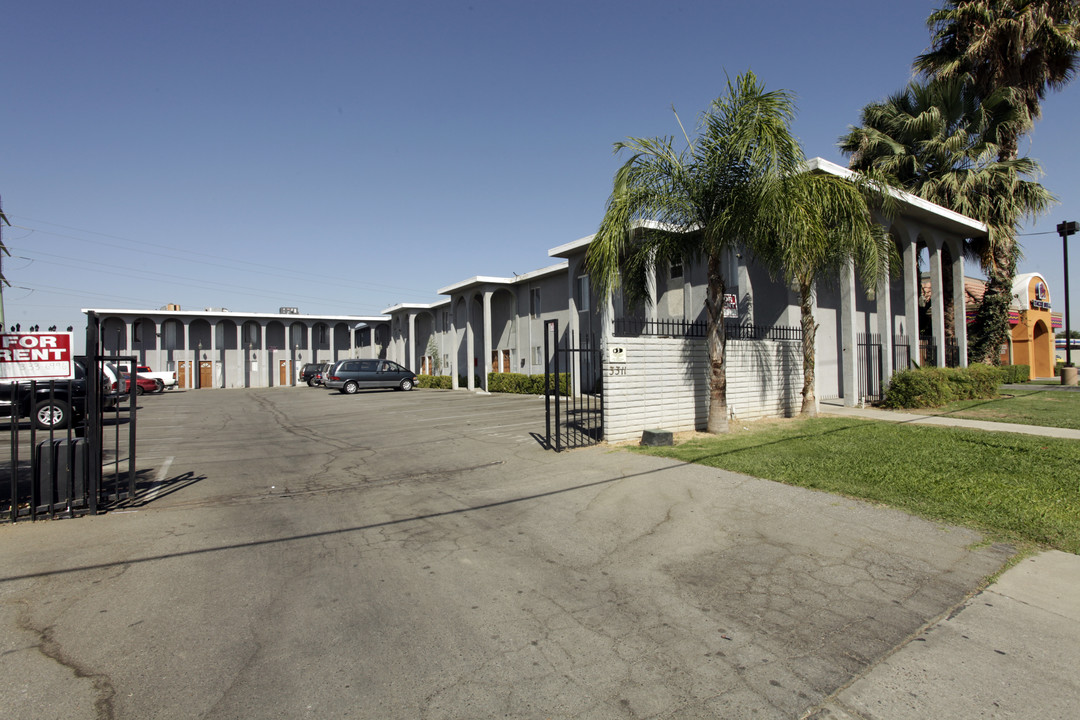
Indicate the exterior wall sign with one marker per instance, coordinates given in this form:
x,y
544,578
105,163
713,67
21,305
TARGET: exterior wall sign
x,y
30,356
731,306
1042,297
616,354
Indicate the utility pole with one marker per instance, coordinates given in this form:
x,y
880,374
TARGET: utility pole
x,y
1068,373
3,251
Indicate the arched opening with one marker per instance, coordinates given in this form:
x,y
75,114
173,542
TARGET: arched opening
x,y
252,336
503,332
226,335
199,334
340,339
114,336
427,345
1042,352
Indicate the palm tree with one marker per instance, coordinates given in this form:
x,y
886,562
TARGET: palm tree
x,y
1016,50
725,188
936,140
826,223
1031,46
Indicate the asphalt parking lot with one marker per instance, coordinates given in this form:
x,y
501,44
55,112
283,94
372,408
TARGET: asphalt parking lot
x,y
297,553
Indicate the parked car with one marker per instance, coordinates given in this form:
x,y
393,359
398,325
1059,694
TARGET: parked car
x,y
142,385
349,376
308,372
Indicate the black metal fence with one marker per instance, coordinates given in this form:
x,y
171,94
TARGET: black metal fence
x,y
675,328
870,365
573,391
71,446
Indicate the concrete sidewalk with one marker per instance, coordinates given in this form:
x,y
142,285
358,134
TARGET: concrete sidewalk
x,y
836,407
1008,652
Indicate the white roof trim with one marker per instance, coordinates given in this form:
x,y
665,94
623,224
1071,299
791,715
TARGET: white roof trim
x,y
414,306
230,315
569,248
487,280
952,220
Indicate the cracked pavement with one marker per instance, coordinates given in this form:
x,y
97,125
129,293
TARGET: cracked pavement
x,y
418,555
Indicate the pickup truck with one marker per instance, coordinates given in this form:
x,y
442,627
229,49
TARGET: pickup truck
x,y
56,407
162,380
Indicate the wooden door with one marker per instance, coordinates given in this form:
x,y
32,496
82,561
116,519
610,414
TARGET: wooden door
x,y
182,373
284,372
206,373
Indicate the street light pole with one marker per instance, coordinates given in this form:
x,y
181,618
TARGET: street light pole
x,y
1066,229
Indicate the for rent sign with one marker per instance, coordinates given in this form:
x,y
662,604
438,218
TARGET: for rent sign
x,y
31,356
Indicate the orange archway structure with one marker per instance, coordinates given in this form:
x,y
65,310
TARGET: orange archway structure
x,y
1032,331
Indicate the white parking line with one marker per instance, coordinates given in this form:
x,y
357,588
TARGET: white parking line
x,y
159,479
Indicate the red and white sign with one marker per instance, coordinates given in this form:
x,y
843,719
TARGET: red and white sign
x,y
731,306
34,356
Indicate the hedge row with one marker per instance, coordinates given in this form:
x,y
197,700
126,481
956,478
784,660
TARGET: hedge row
x,y
934,387
497,382
1017,373
524,384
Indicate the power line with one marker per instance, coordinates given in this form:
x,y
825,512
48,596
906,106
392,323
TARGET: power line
x,y
208,259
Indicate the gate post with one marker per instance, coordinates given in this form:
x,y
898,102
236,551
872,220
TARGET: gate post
x,y
93,409
551,354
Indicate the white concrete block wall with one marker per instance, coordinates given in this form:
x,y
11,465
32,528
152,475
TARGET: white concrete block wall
x,y
664,384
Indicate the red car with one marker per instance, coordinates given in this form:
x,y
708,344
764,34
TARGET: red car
x,y
142,385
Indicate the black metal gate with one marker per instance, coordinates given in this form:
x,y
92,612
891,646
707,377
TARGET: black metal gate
x,y
870,369
573,391
86,466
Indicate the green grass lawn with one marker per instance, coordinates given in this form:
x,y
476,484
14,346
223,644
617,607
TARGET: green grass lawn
x,y
1019,488
1048,408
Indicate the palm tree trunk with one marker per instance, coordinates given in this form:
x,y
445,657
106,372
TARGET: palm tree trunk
x,y
809,336
714,306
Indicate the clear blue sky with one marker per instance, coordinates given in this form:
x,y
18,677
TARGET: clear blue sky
x,y
342,157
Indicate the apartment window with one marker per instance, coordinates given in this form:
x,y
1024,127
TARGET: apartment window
x,y
538,355
534,302
583,293
676,269
445,319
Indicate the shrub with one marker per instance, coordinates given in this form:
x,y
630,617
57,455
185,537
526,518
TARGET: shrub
x,y
920,387
438,382
976,381
1016,373
933,387
524,384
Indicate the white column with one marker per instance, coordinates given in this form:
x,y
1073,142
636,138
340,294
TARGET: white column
x,y
959,299
487,339
470,356
265,357
651,310
883,302
912,288
129,330
157,344
937,299
848,338
744,292
190,379
213,354
454,343
607,319
410,343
